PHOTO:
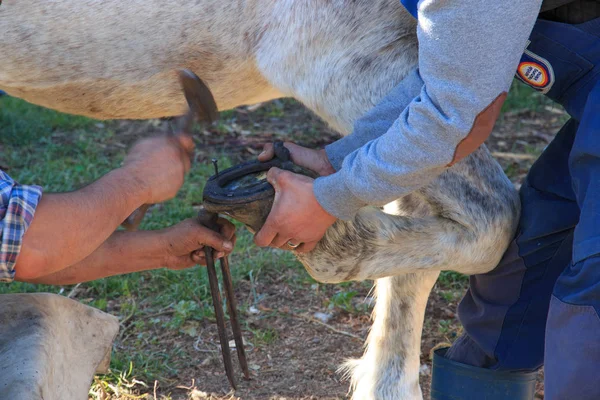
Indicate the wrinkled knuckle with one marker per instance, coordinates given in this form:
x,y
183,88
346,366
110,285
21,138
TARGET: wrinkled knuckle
x,y
282,176
220,243
206,238
274,176
278,221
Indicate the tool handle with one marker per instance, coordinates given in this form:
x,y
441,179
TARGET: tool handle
x,y
133,221
233,317
218,307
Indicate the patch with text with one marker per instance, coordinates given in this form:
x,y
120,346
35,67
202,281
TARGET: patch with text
x,y
535,71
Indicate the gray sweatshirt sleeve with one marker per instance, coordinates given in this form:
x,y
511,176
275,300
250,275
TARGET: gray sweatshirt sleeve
x,y
377,121
468,54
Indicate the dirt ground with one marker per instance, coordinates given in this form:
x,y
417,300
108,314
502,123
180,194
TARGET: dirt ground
x,y
300,355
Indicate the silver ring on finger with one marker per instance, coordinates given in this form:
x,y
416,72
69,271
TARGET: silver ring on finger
x,y
292,245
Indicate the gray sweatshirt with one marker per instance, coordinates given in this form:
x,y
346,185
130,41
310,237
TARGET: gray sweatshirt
x,y
468,53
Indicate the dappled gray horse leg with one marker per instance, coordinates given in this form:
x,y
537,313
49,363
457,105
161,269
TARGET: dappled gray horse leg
x,y
51,346
463,221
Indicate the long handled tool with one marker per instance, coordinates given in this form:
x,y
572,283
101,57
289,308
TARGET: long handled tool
x,y
203,106
209,220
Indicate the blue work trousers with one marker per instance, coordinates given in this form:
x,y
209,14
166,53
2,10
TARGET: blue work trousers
x,y
541,305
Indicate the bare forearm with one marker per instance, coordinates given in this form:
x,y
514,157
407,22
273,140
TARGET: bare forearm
x,y
122,253
68,227
176,247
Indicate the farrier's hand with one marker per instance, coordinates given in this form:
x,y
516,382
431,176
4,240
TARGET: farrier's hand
x,y
160,164
315,160
183,244
296,215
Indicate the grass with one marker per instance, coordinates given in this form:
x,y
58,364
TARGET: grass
x,y
63,153
264,336
22,122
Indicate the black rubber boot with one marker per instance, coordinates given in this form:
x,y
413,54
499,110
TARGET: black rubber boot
x,y
451,380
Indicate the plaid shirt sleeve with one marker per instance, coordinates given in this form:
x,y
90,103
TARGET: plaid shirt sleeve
x,y
17,206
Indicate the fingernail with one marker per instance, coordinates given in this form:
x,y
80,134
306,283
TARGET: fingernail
x,y
228,245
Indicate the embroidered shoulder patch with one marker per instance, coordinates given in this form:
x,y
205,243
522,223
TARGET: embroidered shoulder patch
x,y
535,71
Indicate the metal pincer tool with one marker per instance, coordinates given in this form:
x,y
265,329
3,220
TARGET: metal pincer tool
x,y
209,220
202,105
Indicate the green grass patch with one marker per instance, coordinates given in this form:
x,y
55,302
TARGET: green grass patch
x,y
24,123
265,336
